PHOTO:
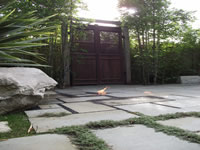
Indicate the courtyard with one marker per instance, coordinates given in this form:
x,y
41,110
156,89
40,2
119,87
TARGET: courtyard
x,y
127,117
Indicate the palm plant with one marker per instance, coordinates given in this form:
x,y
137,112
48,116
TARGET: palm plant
x,y
19,36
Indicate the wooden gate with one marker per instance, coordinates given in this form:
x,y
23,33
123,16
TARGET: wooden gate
x,y
97,56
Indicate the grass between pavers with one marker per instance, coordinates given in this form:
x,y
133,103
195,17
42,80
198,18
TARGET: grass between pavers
x,y
86,140
176,116
83,138
19,124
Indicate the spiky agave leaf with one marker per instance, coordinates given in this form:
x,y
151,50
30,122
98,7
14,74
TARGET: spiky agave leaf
x,y
19,35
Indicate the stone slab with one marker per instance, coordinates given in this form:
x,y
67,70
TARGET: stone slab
x,y
87,107
45,124
37,113
192,109
139,137
132,101
150,109
190,79
50,106
180,103
39,142
4,127
177,97
82,99
186,123
125,94
50,101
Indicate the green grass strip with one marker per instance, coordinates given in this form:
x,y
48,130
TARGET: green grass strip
x,y
177,115
151,123
19,124
83,138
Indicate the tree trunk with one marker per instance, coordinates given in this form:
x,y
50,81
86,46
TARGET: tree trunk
x,y
142,57
65,56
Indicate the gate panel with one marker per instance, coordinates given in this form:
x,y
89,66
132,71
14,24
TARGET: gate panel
x,y
84,67
97,57
110,55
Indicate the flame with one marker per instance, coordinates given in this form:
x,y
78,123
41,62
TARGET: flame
x,y
148,92
102,91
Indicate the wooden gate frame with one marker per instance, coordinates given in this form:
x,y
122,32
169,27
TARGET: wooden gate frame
x,y
126,50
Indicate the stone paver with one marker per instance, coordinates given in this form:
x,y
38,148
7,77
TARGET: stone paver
x,y
126,94
149,109
125,97
180,103
186,123
37,113
178,97
190,79
87,107
192,109
137,100
50,101
139,137
82,99
44,124
51,106
39,142
4,127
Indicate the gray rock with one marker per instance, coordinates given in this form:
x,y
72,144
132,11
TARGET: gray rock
x,y
4,127
22,88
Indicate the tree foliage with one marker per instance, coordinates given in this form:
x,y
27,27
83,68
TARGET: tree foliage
x,y
153,24
58,41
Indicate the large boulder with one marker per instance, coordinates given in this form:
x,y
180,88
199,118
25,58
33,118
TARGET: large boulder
x,y
22,88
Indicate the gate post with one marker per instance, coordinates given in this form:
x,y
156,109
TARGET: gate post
x,y
127,54
66,55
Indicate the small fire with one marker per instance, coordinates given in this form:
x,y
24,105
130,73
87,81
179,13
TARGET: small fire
x,y
148,92
103,91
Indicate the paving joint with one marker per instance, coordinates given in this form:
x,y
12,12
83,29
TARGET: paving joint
x,y
114,107
165,105
68,109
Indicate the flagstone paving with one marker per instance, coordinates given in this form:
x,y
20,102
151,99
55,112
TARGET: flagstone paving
x,y
180,103
37,113
4,127
51,106
87,107
83,105
139,137
186,123
82,99
149,109
131,101
39,142
192,109
43,124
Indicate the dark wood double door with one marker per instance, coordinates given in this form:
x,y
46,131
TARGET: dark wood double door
x,y
97,56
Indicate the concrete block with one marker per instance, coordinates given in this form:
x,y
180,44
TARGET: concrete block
x,y
190,79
